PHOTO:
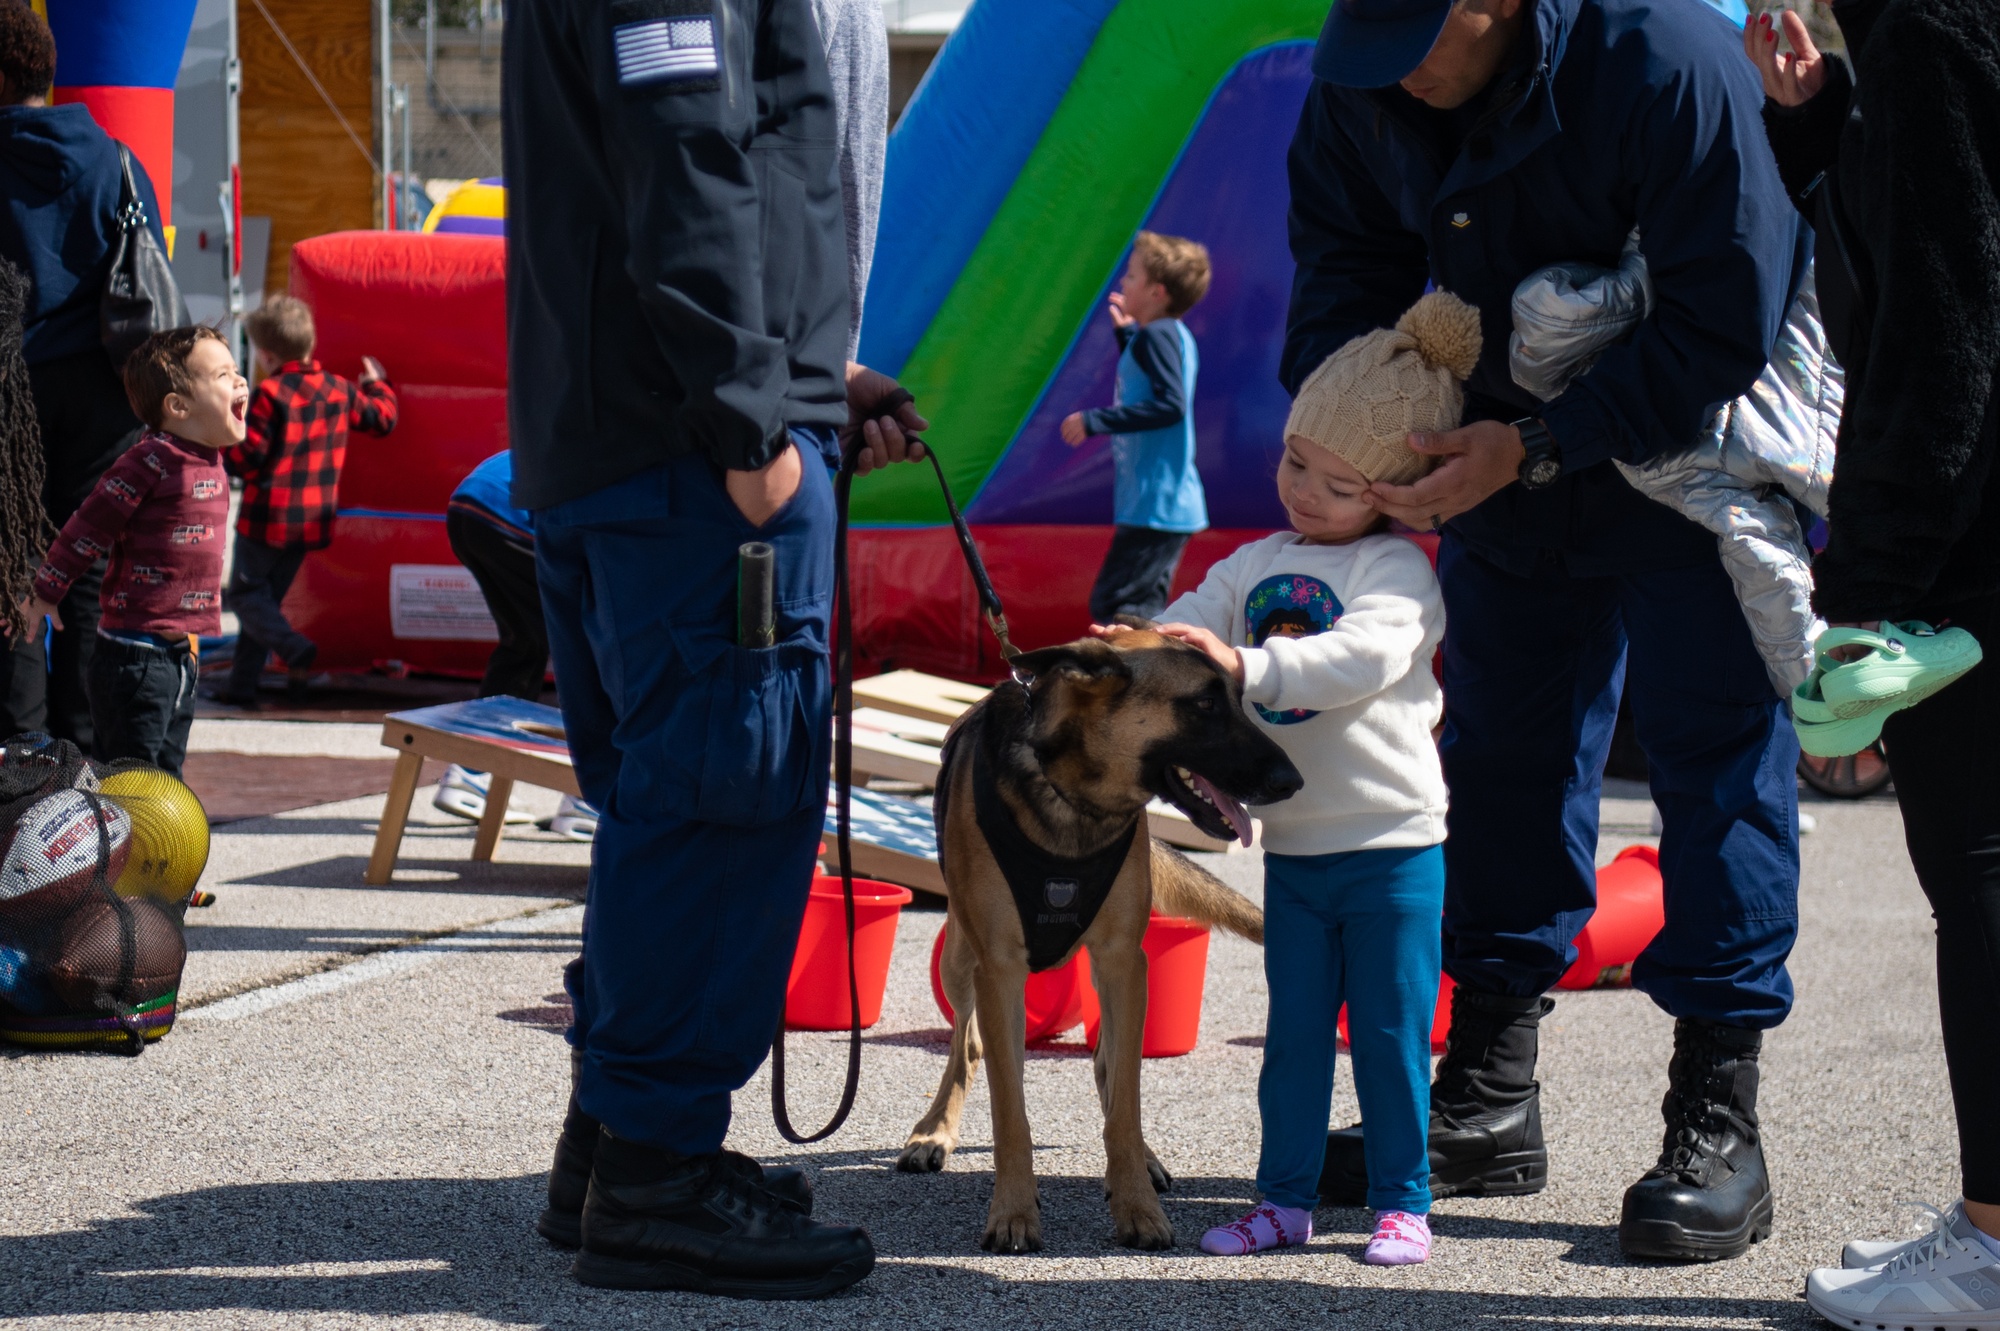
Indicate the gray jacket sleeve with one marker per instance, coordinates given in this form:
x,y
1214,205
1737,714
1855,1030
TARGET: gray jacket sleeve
x,y
857,59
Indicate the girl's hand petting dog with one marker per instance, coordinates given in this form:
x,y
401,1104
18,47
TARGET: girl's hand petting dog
x,y
1215,648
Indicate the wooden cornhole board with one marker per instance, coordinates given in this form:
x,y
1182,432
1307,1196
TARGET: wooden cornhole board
x,y
507,737
899,723
523,741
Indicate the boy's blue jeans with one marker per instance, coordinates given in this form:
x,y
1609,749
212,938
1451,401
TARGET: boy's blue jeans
x,y
1361,928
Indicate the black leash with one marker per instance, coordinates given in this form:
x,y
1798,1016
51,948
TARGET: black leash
x,y
843,753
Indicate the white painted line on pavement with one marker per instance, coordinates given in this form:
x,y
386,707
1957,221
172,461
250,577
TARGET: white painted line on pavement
x,y
381,965
312,1270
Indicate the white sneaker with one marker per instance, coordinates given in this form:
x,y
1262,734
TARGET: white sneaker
x,y
1860,1254
574,819
461,792
1947,1279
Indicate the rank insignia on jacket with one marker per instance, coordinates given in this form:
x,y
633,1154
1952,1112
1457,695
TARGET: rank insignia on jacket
x,y
665,41
1461,220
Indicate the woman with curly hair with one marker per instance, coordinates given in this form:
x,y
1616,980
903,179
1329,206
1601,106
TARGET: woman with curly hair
x,y
25,531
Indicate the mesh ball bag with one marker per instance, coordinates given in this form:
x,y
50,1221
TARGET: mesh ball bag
x,y
97,864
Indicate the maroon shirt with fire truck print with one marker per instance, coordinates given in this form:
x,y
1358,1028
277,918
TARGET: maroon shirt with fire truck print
x,y
159,513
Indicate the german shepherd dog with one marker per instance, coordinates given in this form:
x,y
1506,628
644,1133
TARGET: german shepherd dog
x,y
1075,755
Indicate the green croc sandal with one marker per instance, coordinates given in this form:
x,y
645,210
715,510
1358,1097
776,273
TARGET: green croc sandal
x,y
1821,733
1906,663
1808,704
1840,738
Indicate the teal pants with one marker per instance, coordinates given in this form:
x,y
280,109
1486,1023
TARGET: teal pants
x,y
1360,928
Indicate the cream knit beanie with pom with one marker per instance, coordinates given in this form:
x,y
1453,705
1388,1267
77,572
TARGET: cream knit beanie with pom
x,y
1365,399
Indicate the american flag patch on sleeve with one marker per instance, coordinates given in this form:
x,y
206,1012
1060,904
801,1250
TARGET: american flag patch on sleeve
x,y
665,43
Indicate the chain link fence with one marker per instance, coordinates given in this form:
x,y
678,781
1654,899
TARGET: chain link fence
x,y
447,54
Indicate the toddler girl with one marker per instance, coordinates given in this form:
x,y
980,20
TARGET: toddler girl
x,y
1331,627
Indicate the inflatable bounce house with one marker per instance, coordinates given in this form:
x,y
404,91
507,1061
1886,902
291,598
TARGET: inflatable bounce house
x,y
1047,134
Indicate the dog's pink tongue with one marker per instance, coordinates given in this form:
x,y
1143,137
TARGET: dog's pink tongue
x,y
1231,810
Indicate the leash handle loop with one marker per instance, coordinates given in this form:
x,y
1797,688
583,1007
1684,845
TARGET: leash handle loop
x,y
843,775
843,746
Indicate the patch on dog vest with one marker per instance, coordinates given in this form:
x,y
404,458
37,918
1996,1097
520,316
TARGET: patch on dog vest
x,y
1056,897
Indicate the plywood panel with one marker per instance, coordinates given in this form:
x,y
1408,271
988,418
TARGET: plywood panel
x,y
300,168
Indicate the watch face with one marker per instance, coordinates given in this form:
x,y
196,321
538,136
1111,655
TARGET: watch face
x,y
1543,472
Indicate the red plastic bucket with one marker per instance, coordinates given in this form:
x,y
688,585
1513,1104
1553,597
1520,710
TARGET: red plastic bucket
x,y
1176,974
1630,910
1440,1016
816,994
1054,999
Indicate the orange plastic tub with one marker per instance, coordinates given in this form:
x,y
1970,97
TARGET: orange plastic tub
x,y
1054,999
1176,974
816,994
1630,910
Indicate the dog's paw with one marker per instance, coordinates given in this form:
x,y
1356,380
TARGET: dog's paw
x,y
1143,1226
1019,1231
1157,1172
923,1155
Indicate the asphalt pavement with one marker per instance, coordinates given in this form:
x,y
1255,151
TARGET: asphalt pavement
x,y
350,1127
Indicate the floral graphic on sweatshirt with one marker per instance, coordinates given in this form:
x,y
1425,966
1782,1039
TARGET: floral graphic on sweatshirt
x,y
1288,605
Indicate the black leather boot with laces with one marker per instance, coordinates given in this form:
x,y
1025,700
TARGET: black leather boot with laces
x,y
561,1222
657,1220
1486,1112
1709,1197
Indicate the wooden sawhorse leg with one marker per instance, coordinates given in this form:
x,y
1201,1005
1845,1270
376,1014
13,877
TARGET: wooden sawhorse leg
x,y
395,813
498,792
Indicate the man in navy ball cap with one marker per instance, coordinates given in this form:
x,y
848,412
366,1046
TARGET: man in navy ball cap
x,y
1466,145
1374,43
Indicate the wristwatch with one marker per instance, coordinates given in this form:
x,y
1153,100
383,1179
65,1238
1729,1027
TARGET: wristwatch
x,y
1543,464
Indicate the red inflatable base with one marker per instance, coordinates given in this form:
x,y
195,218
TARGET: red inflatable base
x,y
345,598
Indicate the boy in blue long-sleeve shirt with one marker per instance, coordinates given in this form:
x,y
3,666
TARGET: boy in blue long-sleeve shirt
x,y
1158,500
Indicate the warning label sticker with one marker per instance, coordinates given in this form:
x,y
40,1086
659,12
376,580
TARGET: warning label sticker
x,y
438,602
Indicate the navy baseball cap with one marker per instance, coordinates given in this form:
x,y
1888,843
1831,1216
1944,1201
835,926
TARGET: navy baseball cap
x,y
1374,43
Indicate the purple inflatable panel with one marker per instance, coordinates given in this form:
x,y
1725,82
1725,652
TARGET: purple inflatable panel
x,y
1228,191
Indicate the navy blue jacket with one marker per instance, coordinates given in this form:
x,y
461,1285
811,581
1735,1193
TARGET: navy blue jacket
x,y
676,245
59,186
1614,113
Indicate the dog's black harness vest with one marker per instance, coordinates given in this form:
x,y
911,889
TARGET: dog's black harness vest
x,y
1056,897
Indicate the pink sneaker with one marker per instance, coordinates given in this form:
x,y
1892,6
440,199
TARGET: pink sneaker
x,y
1400,1239
1264,1228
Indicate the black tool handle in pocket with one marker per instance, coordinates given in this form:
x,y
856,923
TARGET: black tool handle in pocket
x,y
756,592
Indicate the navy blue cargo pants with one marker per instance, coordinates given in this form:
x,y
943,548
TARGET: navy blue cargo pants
x,y
1533,667
707,763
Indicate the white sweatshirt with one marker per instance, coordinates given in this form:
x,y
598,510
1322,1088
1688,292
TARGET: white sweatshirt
x,y
1337,643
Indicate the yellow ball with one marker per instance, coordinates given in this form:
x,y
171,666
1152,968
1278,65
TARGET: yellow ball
x,y
169,834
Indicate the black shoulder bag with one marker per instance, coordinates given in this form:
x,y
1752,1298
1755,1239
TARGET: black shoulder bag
x,y
140,295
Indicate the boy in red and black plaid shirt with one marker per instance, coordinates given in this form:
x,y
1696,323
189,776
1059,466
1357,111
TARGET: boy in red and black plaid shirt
x,y
290,465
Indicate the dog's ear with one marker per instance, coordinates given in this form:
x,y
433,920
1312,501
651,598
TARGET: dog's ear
x,y
1134,621
1090,662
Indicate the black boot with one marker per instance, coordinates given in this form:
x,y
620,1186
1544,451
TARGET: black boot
x,y
1486,1112
657,1220
1709,1197
561,1223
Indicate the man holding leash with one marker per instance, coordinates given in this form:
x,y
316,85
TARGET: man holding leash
x,y
1468,144
678,312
